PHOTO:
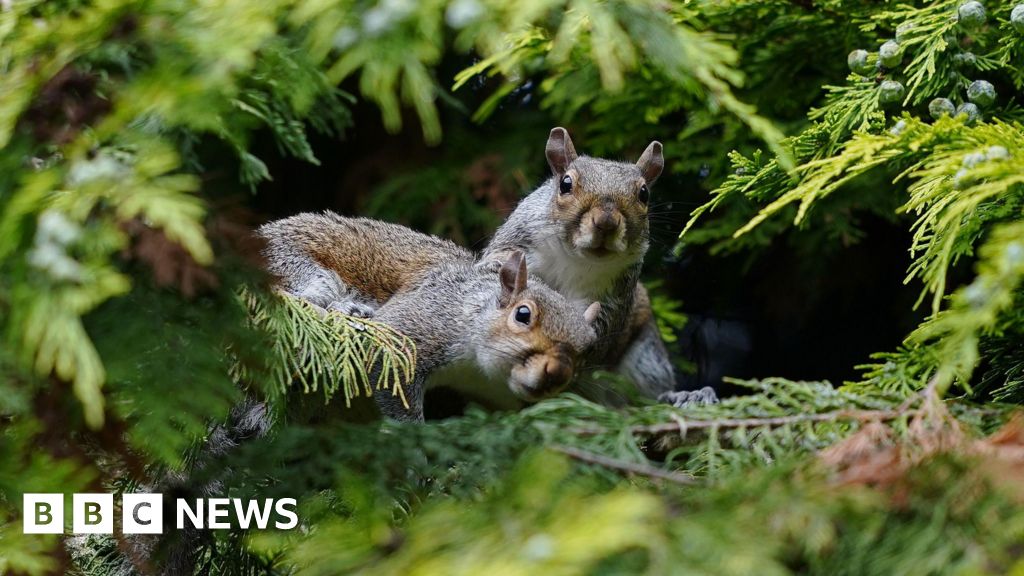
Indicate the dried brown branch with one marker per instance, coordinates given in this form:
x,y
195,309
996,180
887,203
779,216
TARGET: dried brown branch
x,y
682,425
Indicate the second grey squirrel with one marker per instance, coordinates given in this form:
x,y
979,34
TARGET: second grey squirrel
x,y
585,232
518,332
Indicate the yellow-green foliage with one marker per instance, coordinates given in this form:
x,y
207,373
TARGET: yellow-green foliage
x,y
958,182
330,352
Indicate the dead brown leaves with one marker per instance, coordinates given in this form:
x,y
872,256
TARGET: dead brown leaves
x,y
230,231
66,104
878,456
488,184
171,265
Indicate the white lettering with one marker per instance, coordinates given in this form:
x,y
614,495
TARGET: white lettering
x,y
218,509
283,511
184,509
251,510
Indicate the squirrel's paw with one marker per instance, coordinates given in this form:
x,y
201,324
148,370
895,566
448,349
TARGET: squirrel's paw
x,y
690,398
357,309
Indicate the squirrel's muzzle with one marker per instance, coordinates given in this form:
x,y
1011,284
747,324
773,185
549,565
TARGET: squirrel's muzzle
x,y
606,220
558,369
543,374
602,230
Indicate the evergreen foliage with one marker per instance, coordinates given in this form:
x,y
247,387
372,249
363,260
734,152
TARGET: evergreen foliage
x,y
960,179
133,316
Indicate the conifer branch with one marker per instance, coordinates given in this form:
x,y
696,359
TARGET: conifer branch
x,y
623,466
330,352
683,425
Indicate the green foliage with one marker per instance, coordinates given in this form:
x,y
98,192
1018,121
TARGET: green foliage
x,y
678,57
131,321
143,363
522,507
957,182
550,525
464,193
331,352
667,312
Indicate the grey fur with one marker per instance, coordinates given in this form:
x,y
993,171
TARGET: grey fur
x,y
289,257
432,291
447,329
646,362
548,230
303,277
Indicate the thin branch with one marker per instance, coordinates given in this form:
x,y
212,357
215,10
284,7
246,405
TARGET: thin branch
x,y
624,466
682,425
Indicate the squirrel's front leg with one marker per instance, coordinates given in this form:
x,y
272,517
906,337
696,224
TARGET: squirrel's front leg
x,y
646,361
391,405
352,308
690,398
648,364
325,290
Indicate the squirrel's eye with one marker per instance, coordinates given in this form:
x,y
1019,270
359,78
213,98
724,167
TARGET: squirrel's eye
x,y
565,186
523,315
643,195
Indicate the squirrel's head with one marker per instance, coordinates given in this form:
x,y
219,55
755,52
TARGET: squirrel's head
x,y
537,335
601,205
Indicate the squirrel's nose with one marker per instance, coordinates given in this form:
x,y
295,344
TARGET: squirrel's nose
x,y
558,370
606,221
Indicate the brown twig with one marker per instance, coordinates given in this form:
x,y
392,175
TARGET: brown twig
x,y
623,466
682,425
859,415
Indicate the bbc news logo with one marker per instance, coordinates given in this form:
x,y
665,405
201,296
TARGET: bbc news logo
x,y
143,513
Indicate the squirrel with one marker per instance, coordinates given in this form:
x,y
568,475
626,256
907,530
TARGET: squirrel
x,y
585,232
509,325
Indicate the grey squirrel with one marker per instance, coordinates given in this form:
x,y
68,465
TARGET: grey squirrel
x,y
585,232
511,326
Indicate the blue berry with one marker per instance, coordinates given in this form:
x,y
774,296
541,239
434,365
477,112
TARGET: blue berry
x,y
462,13
977,294
858,63
965,59
904,31
970,111
1013,255
890,91
941,107
981,93
889,54
997,153
1017,18
961,180
973,159
898,128
971,14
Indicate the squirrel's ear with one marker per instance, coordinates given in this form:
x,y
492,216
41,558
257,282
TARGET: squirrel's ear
x,y
559,151
592,312
651,162
513,278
